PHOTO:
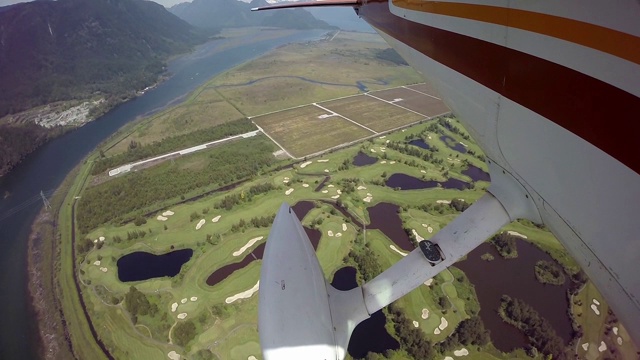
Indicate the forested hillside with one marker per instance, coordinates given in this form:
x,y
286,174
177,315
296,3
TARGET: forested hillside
x,y
77,49
233,13
23,138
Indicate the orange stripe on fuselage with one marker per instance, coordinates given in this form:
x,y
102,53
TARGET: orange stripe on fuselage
x,y
597,37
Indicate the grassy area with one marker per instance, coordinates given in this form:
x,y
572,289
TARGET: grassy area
x,y
302,131
373,113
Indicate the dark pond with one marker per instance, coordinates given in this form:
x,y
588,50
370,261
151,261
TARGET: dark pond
x,y
476,174
384,217
370,335
453,144
490,283
300,209
419,143
142,265
407,182
363,159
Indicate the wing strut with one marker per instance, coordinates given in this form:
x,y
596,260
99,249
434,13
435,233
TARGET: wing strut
x,y
320,3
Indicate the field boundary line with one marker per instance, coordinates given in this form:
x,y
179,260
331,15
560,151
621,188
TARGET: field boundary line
x,y
400,106
274,141
418,91
346,118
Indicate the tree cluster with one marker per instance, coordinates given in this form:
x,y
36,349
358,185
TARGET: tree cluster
x,y
183,332
549,273
137,304
367,262
469,332
256,222
231,200
115,199
416,152
538,329
137,151
506,245
412,339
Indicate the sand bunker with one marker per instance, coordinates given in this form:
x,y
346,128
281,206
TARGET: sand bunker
x,y
367,199
428,282
101,238
362,187
373,150
304,164
97,263
252,358
436,331
422,171
339,192
418,237
619,340
288,191
174,307
325,191
397,250
184,301
416,324
95,241
161,218
392,162
461,352
216,219
244,294
182,316
168,213
383,162
382,137
595,309
443,201
326,170
323,160
330,185
305,185
335,196
330,233
247,245
173,355
103,269
338,234
602,346
200,223
386,142
615,329
597,303
425,313
515,233
585,346
443,323
344,227
194,298
448,358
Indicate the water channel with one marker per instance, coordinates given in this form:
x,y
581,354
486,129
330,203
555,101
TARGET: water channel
x,y
44,170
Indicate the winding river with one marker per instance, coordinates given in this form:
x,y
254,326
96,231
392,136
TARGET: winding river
x,y
45,169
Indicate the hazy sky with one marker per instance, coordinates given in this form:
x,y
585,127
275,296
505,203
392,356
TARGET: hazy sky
x,y
166,3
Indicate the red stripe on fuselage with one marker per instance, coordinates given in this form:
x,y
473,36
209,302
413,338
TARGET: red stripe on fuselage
x,y
597,112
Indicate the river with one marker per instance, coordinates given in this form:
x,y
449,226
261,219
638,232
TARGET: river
x,y
45,169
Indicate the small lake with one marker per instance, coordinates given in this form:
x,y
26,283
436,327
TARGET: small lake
x,y
142,265
488,277
453,144
363,159
476,174
408,182
385,217
300,209
371,334
420,143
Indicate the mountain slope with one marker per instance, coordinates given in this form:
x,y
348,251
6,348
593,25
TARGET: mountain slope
x,y
232,13
73,49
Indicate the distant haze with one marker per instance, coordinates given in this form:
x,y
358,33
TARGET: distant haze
x,y
165,3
